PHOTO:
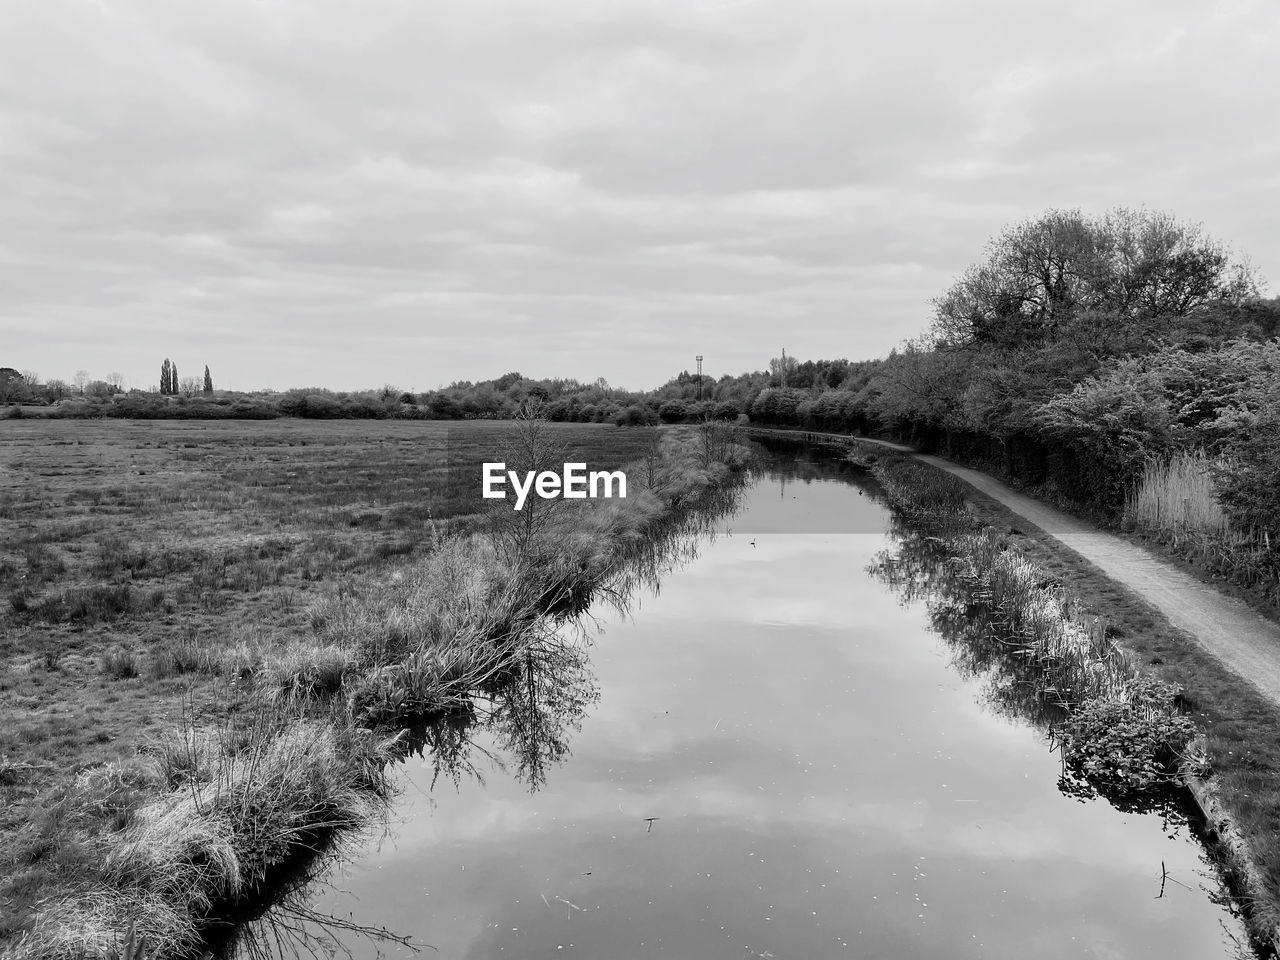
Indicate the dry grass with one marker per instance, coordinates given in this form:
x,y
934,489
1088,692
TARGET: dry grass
x,y
1176,497
235,803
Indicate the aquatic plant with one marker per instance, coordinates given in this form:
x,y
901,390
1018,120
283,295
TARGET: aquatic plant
x,y
924,493
1134,741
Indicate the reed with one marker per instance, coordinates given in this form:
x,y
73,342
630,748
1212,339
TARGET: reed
x,y
1176,497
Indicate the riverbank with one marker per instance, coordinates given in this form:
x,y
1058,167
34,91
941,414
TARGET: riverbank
x,y
1235,776
167,846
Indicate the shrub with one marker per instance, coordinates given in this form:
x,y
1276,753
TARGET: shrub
x,y
635,416
1133,742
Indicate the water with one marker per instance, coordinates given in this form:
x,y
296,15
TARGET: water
x,y
777,757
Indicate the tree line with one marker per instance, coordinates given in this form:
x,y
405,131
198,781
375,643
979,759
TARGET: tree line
x,y
1073,352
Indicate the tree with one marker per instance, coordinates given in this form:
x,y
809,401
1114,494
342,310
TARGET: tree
x,y
10,383
188,386
208,381
166,377
1040,272
173,378
81,380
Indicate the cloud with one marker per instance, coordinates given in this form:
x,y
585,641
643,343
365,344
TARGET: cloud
x,y
593,187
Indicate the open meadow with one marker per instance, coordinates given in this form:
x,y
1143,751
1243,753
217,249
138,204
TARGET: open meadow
x,y
145,567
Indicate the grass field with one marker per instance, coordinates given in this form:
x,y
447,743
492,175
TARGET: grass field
x,y
145,566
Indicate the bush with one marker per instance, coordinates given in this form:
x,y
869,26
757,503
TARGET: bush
x,y
635,416
1133,743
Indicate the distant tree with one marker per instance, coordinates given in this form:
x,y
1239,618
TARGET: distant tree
x,y
782,370
81,380
99,388
166,377
10,383
116,379
173,378
208,380
673,411
188,386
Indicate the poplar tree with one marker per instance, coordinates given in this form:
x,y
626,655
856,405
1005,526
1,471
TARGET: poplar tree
x,y
173,378
208,380
166,377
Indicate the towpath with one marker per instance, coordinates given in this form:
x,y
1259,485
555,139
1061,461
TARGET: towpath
x,y
1244,641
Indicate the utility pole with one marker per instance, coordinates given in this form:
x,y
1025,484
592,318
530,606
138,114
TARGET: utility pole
x,y
699,359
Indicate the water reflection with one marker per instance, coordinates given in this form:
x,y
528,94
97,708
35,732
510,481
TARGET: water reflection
x,y
528,714
774,758
921,569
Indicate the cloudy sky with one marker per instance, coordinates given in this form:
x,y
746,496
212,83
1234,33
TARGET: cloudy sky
x,y
354,192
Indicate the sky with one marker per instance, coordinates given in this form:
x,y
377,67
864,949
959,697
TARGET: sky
x,y
349,193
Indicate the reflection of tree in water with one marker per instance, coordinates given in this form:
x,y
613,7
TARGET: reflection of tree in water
x,y
531,710
534,716
922,568
804,461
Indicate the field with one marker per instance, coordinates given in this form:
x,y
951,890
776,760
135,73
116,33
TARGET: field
x,y
145,565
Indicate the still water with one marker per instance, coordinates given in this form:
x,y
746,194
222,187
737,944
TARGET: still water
x,y
776,754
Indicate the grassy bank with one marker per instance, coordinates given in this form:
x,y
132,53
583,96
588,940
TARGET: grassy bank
x,y
80,821
1136,703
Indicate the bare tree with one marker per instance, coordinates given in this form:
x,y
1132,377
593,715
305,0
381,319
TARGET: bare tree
x,y
189,386
532,446
81,380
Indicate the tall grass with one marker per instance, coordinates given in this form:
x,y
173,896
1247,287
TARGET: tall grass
x,y
1177,503
1075,662
1177,497
237,803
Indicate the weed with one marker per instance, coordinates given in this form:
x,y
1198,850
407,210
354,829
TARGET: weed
x,y
120,664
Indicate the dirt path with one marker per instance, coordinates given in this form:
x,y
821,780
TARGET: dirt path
x,y
1244,641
